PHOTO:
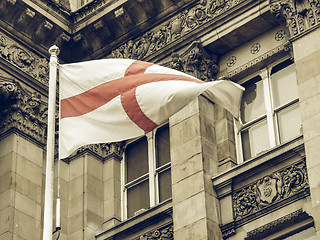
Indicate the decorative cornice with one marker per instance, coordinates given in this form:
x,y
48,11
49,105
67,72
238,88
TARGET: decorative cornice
x,y
23,111
173,29
270,190
300,16
28,62
158,234
195,61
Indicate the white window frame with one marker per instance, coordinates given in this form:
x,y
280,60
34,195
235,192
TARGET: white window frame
x,y
152,175
271,112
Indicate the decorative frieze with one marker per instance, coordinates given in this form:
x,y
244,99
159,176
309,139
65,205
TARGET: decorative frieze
x,y
195,61
299,15
23,59
159,234
173,29
285,184
23,111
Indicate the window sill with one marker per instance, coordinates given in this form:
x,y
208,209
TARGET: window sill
x,y
292,146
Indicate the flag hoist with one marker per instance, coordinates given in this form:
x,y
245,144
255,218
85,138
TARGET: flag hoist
x,y
111,100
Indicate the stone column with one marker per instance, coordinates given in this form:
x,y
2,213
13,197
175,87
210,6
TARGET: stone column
x,y
193,163
307,57
112,185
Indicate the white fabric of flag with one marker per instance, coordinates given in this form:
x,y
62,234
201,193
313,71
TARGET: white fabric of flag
x,y
112,100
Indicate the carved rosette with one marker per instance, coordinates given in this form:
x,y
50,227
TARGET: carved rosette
x,y
270,190
159,234
173,29
299,15
196,62
26,61
23,111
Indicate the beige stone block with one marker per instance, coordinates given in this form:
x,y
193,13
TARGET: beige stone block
x,y
308,108
76,223
27,188
7,163
226,210
206,108
185,131
64,170
94,167
30,151
76,167
112,189
28,206
186,169
94,221
210,164
7,145
309,88
187,187
212,207
94,196
221,113
76,235
306,45
181,153
197,230
26,226
207,129
75,188
7,199
110,223
189,211
29,170
312,152
6,220
6,236
307,67
16,237
6,182
313,175
224,130
226,150
111,169
112,209
76,206
186,112
214,231
311,127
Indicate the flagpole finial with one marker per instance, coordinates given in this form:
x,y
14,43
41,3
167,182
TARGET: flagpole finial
x,y
54,50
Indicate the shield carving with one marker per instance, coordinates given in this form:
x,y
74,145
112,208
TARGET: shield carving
x,y
268,189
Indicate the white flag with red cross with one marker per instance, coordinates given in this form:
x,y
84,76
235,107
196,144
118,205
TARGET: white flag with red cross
x,y
112,100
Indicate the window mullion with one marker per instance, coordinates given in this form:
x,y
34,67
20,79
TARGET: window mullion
x,y
151,159
268,102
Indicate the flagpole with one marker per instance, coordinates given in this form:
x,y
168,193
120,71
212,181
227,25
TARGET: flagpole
x,y
48,200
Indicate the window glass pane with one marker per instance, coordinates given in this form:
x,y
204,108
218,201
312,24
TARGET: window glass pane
x,y
289,122
284,86
163,145
255,139
164,185
136,159
253,105
138,198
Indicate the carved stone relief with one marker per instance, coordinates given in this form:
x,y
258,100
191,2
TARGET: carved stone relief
x,y
270,190
26,61
195,61
173,29
22,110
160,234
299,15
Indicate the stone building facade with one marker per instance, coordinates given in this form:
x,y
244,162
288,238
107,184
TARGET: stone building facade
x,y
196,177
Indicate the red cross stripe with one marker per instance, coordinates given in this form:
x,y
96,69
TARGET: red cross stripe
x,y
126,87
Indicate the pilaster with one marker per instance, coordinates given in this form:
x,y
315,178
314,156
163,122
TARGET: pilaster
x,y
194,162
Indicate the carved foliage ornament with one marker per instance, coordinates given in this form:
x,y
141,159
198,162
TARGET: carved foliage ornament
x,y
161,234
300,15
196,62
173,29
270,190
24,60
22,110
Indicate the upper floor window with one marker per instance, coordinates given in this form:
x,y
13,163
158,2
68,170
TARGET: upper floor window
x,y
147,173
269,110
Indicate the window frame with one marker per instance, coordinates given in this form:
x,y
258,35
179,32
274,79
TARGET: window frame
x,y
152,175
271,114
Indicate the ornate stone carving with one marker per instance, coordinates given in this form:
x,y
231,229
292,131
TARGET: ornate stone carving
x,y
22,110
26,61
161,234
300,15
173,29
195,61
269,190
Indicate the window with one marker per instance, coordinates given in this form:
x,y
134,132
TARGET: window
x,y
269,110
147,172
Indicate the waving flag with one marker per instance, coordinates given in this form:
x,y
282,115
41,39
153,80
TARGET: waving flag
x,y
112,100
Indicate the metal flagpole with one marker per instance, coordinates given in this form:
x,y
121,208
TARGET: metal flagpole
x,y
48,200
